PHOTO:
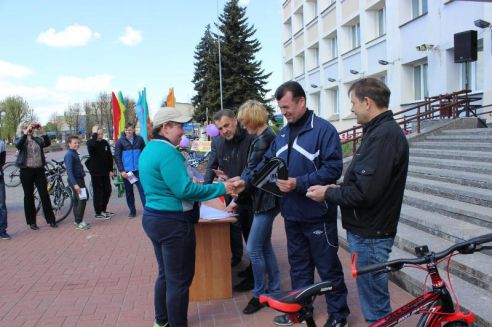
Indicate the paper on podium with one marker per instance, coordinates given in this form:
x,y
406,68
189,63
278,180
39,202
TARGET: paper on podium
x,y
210,213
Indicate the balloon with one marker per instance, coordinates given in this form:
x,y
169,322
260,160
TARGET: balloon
x,y
212,130
185,142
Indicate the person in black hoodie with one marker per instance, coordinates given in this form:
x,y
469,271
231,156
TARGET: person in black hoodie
x,y
228,158
100,165
371,195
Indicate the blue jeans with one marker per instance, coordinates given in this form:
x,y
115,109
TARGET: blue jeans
x,y
3,207
315,245
261,254
174,247
130,198
373,287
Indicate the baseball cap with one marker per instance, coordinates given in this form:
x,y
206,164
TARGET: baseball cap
x,y
167,114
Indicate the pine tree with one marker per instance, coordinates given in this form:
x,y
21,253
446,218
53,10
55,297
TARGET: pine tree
x,y
206,77
242,76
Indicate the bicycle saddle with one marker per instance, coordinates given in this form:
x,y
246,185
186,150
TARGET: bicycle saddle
x,y
295,300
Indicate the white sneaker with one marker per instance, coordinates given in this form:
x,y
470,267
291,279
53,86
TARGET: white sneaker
x,y
83,225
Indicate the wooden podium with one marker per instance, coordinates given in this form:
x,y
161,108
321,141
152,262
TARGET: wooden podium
x,y
213,278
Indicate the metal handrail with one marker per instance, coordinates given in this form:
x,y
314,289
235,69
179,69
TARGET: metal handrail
x,y
450,105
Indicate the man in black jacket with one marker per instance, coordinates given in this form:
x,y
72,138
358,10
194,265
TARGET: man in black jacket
x,y
100,166
230,155
372,192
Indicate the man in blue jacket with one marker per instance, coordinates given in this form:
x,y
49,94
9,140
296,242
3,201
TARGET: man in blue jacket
x,y
126,154
310,146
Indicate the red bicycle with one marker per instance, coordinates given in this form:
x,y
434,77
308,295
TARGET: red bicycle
x,y
436,306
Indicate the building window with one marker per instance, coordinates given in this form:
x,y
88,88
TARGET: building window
x,y
333,47
355,35
332,102
473,71
420,81
381,28
336,108
315,101
299,67
419,7
313,60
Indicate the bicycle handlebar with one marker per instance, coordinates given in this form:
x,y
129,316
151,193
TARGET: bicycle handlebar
x,y
466,247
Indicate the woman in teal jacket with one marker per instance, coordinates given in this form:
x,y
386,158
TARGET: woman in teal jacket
x,y
170,213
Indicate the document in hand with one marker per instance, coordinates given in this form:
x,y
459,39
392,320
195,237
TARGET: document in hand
x,y
83,194
131,178
210,213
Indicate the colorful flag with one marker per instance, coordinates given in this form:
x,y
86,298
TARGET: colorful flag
x,y
143,115
122,103
116,117
171,100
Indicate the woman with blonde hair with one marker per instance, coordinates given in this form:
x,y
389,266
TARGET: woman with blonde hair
x,y
31,161
254,118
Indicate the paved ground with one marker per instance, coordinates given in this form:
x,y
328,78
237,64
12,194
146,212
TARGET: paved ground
x,y
105,276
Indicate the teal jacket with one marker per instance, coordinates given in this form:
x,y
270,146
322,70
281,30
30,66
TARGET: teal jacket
x,y
169,190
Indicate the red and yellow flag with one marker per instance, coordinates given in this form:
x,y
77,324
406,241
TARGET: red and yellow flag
x,y
171,100
116,117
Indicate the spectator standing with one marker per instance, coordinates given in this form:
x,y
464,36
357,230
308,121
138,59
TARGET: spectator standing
x,y
3,207
126,155
31,161
371,195
75,177
100,165
170,215
254,117
228,158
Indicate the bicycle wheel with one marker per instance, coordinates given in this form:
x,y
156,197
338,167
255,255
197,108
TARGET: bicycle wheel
x,y
11,175
62,202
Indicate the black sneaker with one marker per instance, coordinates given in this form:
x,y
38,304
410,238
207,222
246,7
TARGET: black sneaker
x,y
336,323
132,215
244,286
53,225
253,306
34,227
108,213
282,320
5,236
101,216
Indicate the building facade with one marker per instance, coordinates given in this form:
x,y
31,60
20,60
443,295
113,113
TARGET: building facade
x,y
409,44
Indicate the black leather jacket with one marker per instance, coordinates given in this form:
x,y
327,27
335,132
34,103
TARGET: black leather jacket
x,y
231,157
262,201
372,192
20,144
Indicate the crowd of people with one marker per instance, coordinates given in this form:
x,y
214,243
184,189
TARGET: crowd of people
x,y
369,198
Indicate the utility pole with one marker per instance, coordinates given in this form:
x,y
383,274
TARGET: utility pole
x,y
220,63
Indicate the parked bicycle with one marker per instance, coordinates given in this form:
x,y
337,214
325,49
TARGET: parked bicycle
x,y
61,195
436,306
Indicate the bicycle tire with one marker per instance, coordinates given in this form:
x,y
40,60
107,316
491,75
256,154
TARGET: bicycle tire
x,y
11,175
61,210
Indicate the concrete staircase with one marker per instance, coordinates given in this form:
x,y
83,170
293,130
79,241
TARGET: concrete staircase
x,y
448,198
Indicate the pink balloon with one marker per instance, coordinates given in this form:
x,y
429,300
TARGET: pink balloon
x,y
212,130
185,142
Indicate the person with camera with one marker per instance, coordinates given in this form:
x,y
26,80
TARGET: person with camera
x,y
31,161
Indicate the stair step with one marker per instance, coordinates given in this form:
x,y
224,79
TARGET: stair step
x,y
473,298
481,197
452,176
454,145
472,213
465,138
446,227
470,131
452,154
475,167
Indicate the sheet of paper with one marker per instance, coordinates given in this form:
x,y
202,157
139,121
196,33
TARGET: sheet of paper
x,y
210,213
132,178
83,194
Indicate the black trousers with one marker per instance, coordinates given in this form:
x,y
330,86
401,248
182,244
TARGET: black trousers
x,y
30,177
101,186
78,204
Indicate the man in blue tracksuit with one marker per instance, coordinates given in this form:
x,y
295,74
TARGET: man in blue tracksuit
x,y
310,146
126,154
